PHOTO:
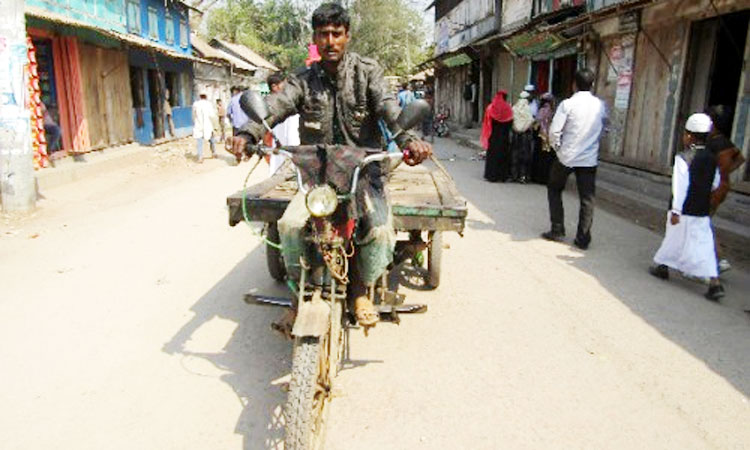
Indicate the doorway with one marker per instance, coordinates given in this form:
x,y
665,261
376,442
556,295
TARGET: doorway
x,y
156,94
714,67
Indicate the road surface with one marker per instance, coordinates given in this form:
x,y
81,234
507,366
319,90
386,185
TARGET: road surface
x,y
123,327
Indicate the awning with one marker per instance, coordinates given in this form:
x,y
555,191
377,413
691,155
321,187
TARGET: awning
x,y
532,43
460,59
138,41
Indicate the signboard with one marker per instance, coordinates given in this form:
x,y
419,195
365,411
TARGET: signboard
x,y
548,6
594,5
529,44
515,13
464,24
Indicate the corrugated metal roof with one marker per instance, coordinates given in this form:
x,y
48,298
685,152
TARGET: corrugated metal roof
x,y
247,54
128,38
206,51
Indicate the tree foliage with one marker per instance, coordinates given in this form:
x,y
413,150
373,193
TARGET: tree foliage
x,y
388,30
277,29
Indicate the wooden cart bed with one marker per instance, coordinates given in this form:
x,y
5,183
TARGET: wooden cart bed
x,y
422,199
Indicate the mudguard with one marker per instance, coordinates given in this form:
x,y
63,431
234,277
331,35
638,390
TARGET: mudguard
x,y
313,318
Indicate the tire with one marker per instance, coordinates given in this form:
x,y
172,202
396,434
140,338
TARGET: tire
x,y
303,411
274,260
434,258
313,370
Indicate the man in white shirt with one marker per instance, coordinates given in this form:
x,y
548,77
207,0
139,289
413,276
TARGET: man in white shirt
x,y
204,116
287,132
574,134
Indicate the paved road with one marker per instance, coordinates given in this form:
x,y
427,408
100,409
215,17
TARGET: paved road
x,y
123,327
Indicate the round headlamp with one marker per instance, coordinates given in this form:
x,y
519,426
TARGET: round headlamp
x,y
321,201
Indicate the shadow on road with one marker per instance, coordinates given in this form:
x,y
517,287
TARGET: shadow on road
x,y
255,359
717,334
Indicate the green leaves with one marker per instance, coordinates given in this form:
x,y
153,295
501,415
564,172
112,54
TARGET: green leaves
x,y
389,31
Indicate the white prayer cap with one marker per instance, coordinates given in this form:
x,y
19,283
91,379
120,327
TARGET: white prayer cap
x,y
530,88
698,123
524,94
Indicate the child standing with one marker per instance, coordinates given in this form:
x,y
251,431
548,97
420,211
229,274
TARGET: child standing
x,y
688,244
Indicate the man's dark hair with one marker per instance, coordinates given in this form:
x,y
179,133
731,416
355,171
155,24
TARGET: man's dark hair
x,y
721,116
274,79
330,14
584,79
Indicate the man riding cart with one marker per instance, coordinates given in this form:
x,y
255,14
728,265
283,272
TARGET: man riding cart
x,y
340,100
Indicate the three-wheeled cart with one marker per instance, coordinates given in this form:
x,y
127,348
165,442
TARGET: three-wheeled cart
x,y
425,203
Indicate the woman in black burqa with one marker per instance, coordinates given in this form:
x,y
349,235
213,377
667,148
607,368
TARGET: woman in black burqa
x,y
495,137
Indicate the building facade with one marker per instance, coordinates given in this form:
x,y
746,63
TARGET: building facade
x,y
102,69
656,62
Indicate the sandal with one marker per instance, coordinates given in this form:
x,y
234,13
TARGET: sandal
x,y
285,325
366,313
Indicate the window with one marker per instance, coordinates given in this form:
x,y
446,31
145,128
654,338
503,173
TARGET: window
x,y
134,16
169,28
153,23
183,34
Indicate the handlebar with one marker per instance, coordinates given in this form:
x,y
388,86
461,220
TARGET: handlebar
x,y
288,152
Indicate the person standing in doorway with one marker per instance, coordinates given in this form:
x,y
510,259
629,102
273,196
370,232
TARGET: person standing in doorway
x,y
168,113
204,117
495,138
574,133
221,111
287,132
688,244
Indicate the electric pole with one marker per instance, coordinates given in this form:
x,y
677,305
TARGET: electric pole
x,y
17,182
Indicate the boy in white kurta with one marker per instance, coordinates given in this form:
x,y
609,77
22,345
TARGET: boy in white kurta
x,y
204,118
688,244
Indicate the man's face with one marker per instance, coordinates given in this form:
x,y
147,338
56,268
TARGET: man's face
x,y
331,41
277,87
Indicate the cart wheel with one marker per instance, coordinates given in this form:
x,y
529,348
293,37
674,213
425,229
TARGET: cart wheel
x,y
434,258
274,260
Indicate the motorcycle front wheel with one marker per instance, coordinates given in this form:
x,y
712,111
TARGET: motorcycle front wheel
x,y
315,363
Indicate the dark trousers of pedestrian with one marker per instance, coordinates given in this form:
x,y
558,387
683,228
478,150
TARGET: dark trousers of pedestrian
x,y
523,151
586,184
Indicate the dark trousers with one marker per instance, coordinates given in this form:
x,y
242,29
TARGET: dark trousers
x,y
586,183
523,153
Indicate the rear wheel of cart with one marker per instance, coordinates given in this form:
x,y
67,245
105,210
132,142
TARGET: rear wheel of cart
x,y
434,258
274,260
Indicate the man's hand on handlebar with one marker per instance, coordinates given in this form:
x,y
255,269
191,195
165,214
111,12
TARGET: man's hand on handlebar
x,y
416,152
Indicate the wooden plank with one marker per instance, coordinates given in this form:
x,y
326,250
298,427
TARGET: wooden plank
x,y
414,193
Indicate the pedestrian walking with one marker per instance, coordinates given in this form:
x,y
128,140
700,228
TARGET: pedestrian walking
x,y
543,154
221,112
534,103
287,132
728,159
204,119
236,115
688,244
405,95
574,134
523,138
495,138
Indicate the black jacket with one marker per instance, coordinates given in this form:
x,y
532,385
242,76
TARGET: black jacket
x,y
344,110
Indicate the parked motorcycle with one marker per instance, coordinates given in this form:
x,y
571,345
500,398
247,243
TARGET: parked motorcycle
x,y
323,317
440,124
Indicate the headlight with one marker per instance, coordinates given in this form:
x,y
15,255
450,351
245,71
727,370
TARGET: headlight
x,y
321,201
